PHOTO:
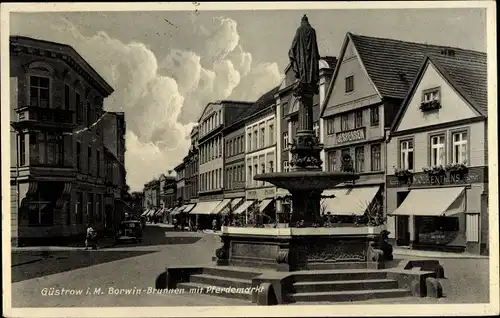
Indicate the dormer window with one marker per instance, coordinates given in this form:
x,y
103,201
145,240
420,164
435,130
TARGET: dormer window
x,y
431,99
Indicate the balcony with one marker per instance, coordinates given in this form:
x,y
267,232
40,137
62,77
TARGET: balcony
x,y
50,116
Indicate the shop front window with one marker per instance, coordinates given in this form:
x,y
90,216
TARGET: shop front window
x,y
436,230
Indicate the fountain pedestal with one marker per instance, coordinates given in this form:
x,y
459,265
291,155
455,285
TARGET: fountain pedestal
x,y
293,249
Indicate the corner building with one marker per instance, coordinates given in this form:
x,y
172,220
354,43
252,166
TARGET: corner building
x,y
57,151
437,178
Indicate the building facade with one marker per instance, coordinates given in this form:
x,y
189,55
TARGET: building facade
x,y
214,118
437,185
57,172
234,162
113,126
191,161
260,156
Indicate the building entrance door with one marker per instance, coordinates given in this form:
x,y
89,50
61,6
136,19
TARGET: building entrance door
x,y
402,223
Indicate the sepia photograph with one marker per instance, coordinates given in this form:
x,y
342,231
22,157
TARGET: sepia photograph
x,y
249,159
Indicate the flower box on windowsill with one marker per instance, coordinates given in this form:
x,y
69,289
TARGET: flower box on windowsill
x,y
431,105
403,175
435,171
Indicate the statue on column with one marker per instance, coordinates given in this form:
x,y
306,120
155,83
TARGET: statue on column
x,y
304,56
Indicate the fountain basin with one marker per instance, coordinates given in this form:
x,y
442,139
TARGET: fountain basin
x,y
306,180
309,231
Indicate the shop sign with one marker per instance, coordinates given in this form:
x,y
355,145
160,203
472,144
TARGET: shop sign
x,y
351,135
474,175
260,194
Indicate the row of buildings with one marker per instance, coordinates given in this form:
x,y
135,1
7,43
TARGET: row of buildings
x,y
413,118
67,153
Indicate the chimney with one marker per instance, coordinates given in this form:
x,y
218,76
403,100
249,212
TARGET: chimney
x,y
448,52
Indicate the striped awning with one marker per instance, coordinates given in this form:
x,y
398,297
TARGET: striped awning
x,y
189,208
433,202
206,207
242,208
353,201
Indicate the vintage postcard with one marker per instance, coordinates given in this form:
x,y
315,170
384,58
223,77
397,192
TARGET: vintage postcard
x,y
249,159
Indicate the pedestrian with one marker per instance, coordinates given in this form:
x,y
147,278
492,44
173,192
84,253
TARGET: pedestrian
x,y
91,238
214,224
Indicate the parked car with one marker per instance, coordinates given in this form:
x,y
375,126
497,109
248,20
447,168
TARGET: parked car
x,y
129,230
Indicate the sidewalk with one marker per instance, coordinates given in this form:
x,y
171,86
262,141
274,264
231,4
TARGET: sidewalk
x,y
433,254
102,243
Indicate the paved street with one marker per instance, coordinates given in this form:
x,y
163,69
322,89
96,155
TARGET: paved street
x,y
467,279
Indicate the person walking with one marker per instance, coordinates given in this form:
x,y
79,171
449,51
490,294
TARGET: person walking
x,y
91,238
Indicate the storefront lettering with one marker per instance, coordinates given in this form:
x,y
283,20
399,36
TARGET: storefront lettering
x,y
475,175
350,136
260,194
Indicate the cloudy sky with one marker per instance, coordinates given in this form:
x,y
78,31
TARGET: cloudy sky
x,y
166,66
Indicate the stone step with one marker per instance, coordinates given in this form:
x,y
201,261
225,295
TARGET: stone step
x,y
205,291
345,285
220,281
355,295
231,272
338,275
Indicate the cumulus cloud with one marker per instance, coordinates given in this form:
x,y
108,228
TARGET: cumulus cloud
x,y
163,96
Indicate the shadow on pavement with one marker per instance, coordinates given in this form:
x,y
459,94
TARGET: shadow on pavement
x,y
44,263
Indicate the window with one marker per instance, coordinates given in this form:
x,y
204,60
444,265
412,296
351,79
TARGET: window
x,y
374,118
220,147
255,140
271,134
22,149
332,161
459,152
406,155
98,205
358,121
375,158
316,129
250,176
67,97
78,156
249,141
90,207
349,84
437,151
286,168
98,162
79,109
41,212
262,137
344,124
89,160
330,127
285,140
360,159
39,91
430,95
47,148
271,166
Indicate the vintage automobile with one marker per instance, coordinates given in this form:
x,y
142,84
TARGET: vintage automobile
x,y
129,230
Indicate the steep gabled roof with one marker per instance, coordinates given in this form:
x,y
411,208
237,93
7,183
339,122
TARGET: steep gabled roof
x,y
392,65
331,60
468,78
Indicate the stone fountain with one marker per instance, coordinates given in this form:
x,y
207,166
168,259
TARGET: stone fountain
x,y
282,261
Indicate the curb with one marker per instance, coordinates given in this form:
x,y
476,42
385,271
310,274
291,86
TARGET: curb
x,y
27,262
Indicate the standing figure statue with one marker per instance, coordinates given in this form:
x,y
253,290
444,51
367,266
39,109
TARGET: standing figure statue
x,y
304,56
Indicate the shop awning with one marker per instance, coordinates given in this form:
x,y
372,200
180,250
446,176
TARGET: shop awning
x,y
334,192
353,201
145,212
433,202
235,202
205,207
189,208
178,210
222,207
243,207
264,203
158,212
151,212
